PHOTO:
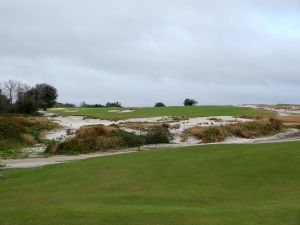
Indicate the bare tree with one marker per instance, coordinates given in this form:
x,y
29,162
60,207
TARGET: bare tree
x,y
10,89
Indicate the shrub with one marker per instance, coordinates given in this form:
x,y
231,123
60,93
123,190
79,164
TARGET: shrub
x,y
189,102
9,129
22,131
213,134
114,104
92,106
26,104
159,104
158,134
63,105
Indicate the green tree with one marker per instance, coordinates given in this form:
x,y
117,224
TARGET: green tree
x,y
159,104
4,102
189,102
114,104
45,95
26,104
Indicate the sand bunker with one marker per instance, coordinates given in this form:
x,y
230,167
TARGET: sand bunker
x,y
121,111
56,109
127,111
71,111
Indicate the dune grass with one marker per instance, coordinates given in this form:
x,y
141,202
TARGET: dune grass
x,y
17,131
248,130
207,185
176,111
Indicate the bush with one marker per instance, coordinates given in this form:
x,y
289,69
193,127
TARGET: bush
x,y
9,129
114,104
159,104
189,102
92,106
26,104
158,134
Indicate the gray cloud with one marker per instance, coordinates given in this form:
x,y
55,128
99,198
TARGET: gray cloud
x,y
139,52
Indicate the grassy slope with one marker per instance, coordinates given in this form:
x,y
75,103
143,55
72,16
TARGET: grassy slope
x,y
194,111
215,185
20,131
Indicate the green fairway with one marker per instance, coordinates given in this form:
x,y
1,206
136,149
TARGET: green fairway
x,y
207,185
190,111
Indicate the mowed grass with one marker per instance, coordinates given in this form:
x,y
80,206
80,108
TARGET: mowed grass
x,y
176,111
207,185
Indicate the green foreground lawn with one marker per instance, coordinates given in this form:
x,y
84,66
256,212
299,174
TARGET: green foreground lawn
x,y
190,111
207,185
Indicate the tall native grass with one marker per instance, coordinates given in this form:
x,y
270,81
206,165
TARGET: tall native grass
x,y
22,131
249,130
98,138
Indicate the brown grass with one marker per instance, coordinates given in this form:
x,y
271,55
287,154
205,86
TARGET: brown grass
x,y
21,131
289,119
29,139
141,126
284,119
100,138
244,130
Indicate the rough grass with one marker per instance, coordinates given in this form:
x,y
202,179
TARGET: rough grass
x,y
286,120
201,185
140,126
289,119
175,111
100,138
20,131
244,130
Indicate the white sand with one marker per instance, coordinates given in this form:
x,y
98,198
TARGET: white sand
x,y
70,111
127,111
55,109
72,123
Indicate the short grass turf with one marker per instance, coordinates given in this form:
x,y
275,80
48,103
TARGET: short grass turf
x,y
207,185
145,112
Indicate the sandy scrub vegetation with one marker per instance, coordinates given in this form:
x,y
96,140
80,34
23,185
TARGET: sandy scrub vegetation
x,y
184,131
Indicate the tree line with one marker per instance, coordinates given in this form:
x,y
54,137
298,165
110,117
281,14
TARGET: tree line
x,y
187,102
18,97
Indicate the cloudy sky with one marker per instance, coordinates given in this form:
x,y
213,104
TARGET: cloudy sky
x,y
140,52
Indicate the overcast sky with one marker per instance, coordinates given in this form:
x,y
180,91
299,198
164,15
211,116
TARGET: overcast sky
x,y
140,52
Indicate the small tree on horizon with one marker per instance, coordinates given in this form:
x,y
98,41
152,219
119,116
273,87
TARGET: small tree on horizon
x,y
189,102
159,104
113,104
